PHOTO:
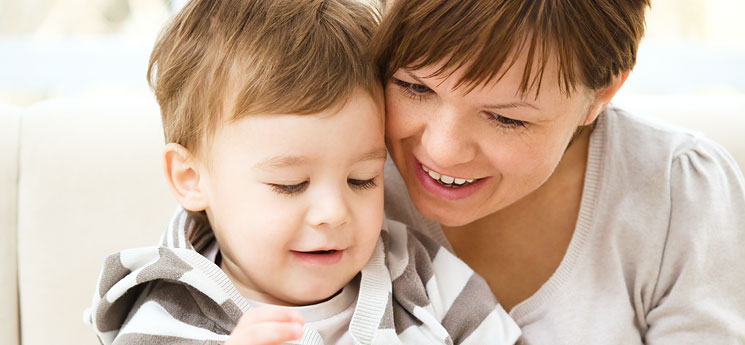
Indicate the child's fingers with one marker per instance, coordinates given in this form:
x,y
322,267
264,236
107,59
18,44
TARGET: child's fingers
x,y
266,333
269,313
267,326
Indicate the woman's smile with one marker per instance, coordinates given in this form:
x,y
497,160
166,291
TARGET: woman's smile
x,y
448,181
445,186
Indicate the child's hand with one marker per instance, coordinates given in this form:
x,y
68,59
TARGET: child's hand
x,y
267,326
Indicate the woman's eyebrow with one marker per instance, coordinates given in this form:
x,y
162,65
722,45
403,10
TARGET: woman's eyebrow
x,y
510,105
496,106
413,76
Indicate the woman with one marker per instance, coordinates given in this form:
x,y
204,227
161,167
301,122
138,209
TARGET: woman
x,y
591,226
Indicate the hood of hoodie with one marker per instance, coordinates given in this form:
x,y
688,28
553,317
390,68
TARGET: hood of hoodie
x,y
134,277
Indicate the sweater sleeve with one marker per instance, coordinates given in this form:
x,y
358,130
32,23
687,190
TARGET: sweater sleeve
x,y
699,296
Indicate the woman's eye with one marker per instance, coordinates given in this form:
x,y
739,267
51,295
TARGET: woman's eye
x,y
290,189
506,122
362,184
415,91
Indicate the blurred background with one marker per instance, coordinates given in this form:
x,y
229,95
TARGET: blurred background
x,y
77,48
80,138
99,48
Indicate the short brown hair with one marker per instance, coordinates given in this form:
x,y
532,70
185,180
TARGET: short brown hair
x,y
229,58
220,60
592,40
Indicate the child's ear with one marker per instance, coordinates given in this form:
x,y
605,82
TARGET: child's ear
x,y
603,96
183,176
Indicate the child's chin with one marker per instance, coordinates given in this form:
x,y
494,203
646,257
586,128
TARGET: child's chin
x,y
315,294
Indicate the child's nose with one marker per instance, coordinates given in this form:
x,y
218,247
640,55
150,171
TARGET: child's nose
x,y
328,210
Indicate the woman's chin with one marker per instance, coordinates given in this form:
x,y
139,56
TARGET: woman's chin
x,y
443,212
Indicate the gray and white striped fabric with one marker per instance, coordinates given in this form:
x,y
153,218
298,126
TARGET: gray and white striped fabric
x,y
412,291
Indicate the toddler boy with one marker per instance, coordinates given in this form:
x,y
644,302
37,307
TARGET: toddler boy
x,y
273,118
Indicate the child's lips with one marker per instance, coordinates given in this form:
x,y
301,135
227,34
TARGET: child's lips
x,y
319,257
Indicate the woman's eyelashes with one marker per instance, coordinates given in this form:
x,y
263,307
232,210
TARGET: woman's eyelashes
x,y
413,90
506,122
294,189
418,92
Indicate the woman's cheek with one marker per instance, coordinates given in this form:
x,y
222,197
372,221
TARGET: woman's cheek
x,y
400,119
519,157
544,158
406,117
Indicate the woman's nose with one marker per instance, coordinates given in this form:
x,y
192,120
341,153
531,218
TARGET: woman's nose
x,y
447,141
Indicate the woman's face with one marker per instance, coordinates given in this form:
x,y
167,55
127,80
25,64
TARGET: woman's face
x,y
465,155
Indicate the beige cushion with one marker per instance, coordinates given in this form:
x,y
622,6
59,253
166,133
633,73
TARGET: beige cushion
x,y
9,127
91,185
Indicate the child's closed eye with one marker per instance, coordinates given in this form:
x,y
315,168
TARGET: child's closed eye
x,y
290,189
362,184
293,189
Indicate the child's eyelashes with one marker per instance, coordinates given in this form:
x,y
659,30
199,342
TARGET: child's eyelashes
x,y
290,189
362,184
293,189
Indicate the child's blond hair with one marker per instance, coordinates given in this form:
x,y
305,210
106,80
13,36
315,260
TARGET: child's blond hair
x,y
221,60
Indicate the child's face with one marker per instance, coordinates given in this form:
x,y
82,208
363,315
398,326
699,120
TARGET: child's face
x,y
296,201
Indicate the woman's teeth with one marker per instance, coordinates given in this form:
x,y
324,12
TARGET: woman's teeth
x,y
447,180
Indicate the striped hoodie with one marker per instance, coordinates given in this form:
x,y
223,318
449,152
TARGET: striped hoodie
x,y
411,291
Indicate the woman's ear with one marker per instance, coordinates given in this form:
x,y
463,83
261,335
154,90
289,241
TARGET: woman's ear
x,y
602,97
183,176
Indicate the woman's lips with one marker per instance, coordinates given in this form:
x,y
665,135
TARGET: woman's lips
x,y
441,191
319,258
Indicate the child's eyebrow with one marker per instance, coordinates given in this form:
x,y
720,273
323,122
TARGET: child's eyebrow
x,y
281,162
376,154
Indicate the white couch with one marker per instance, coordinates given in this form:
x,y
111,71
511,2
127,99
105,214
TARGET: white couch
x,y
81,179
84,180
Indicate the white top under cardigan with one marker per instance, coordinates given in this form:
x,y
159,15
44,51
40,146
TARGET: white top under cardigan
x,y
658,251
